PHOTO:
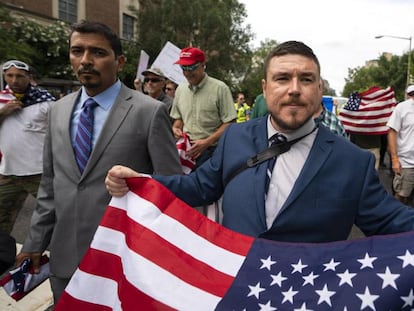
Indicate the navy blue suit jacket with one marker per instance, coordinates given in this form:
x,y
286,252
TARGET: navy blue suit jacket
x,y
337,187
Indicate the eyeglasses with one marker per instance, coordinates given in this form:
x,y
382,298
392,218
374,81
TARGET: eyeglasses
x,y
190,67
17,64
153,80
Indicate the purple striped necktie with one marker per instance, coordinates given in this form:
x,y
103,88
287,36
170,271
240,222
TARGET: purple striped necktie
x,y
274,140
83,138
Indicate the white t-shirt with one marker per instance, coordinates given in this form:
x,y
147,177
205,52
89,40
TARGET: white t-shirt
x,y
22,137
402,121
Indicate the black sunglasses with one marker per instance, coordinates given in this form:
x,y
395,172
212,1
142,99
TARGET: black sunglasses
x,y
153,80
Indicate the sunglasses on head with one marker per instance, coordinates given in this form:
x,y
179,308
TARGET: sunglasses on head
x,y
16,64
190,67
153,80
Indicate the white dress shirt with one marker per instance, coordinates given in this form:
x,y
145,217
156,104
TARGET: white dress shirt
x,y
287,168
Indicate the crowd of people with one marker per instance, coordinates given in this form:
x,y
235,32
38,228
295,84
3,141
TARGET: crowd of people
x,y
76,152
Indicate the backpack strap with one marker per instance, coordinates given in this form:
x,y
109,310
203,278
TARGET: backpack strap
x,y
265,155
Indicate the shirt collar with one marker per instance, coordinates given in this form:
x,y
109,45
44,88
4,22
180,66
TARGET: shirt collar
x,y
303,130
203,82
106,98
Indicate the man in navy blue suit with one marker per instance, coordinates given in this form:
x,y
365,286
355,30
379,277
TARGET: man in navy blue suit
x,y
315,192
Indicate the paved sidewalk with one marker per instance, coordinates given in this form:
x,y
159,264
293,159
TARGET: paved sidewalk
x,y
37,300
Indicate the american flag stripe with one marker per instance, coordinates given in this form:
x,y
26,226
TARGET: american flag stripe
x,y
137,268
123,235
164,203
172,252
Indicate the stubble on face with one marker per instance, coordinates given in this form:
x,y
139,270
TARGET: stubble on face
x,y
291,123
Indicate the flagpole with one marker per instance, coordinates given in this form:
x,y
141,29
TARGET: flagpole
x,y
409,53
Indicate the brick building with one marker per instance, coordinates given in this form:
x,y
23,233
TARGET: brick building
x,y
115,13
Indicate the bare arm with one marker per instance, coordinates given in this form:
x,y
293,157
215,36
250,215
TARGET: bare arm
x,y
178,128
392,148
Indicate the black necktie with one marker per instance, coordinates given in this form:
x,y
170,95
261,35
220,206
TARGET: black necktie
x,y
274,140
83,139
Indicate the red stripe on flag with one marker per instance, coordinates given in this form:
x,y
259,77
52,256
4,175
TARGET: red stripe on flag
x,y
129,295
67,302
182,145
167,256
143,256
160,196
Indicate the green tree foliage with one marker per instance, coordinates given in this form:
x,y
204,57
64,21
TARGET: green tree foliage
x,y
48,47
129,72
10,46
387,71
251,84
43,47
216,27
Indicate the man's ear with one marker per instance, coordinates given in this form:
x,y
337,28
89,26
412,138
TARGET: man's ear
x,y
121,62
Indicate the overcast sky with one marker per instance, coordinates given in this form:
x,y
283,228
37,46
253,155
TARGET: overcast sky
x,y
341,33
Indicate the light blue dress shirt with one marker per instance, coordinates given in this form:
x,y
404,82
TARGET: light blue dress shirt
x,y
105,101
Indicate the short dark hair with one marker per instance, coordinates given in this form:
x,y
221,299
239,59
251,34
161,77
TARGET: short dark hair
x,y
99,28
291,47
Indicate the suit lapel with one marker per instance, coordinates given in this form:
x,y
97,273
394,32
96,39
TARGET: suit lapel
x,y
64,122
318,154
261,143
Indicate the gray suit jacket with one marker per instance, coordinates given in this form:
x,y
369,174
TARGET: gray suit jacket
x,y
137,134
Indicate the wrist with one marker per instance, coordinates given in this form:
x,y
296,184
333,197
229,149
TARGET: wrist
x,y
395,160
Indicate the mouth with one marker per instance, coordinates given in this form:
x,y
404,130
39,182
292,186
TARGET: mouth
x,y
87,72
293,105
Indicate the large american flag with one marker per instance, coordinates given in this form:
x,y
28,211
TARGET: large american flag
x,y
368,112
153,252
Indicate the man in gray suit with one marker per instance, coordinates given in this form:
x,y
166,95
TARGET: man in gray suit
x,y
129,128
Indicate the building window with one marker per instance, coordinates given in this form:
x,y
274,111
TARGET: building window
x,y
68,10
127,27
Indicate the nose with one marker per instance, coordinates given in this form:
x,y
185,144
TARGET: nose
x,y
86,58
294,87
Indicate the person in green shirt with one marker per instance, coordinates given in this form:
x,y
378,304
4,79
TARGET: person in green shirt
x,y
202,108
259,107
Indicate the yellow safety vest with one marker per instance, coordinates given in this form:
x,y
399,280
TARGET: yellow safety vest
x,y
241,112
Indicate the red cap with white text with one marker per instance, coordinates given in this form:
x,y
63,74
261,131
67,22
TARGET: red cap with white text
x,y
190,56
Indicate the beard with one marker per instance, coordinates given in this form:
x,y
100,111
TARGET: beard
x,y
90,81
292,123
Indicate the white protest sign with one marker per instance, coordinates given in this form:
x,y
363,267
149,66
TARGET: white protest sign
x,y
142,64
165,61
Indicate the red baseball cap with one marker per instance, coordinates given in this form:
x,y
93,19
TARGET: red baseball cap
x,y
190,56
